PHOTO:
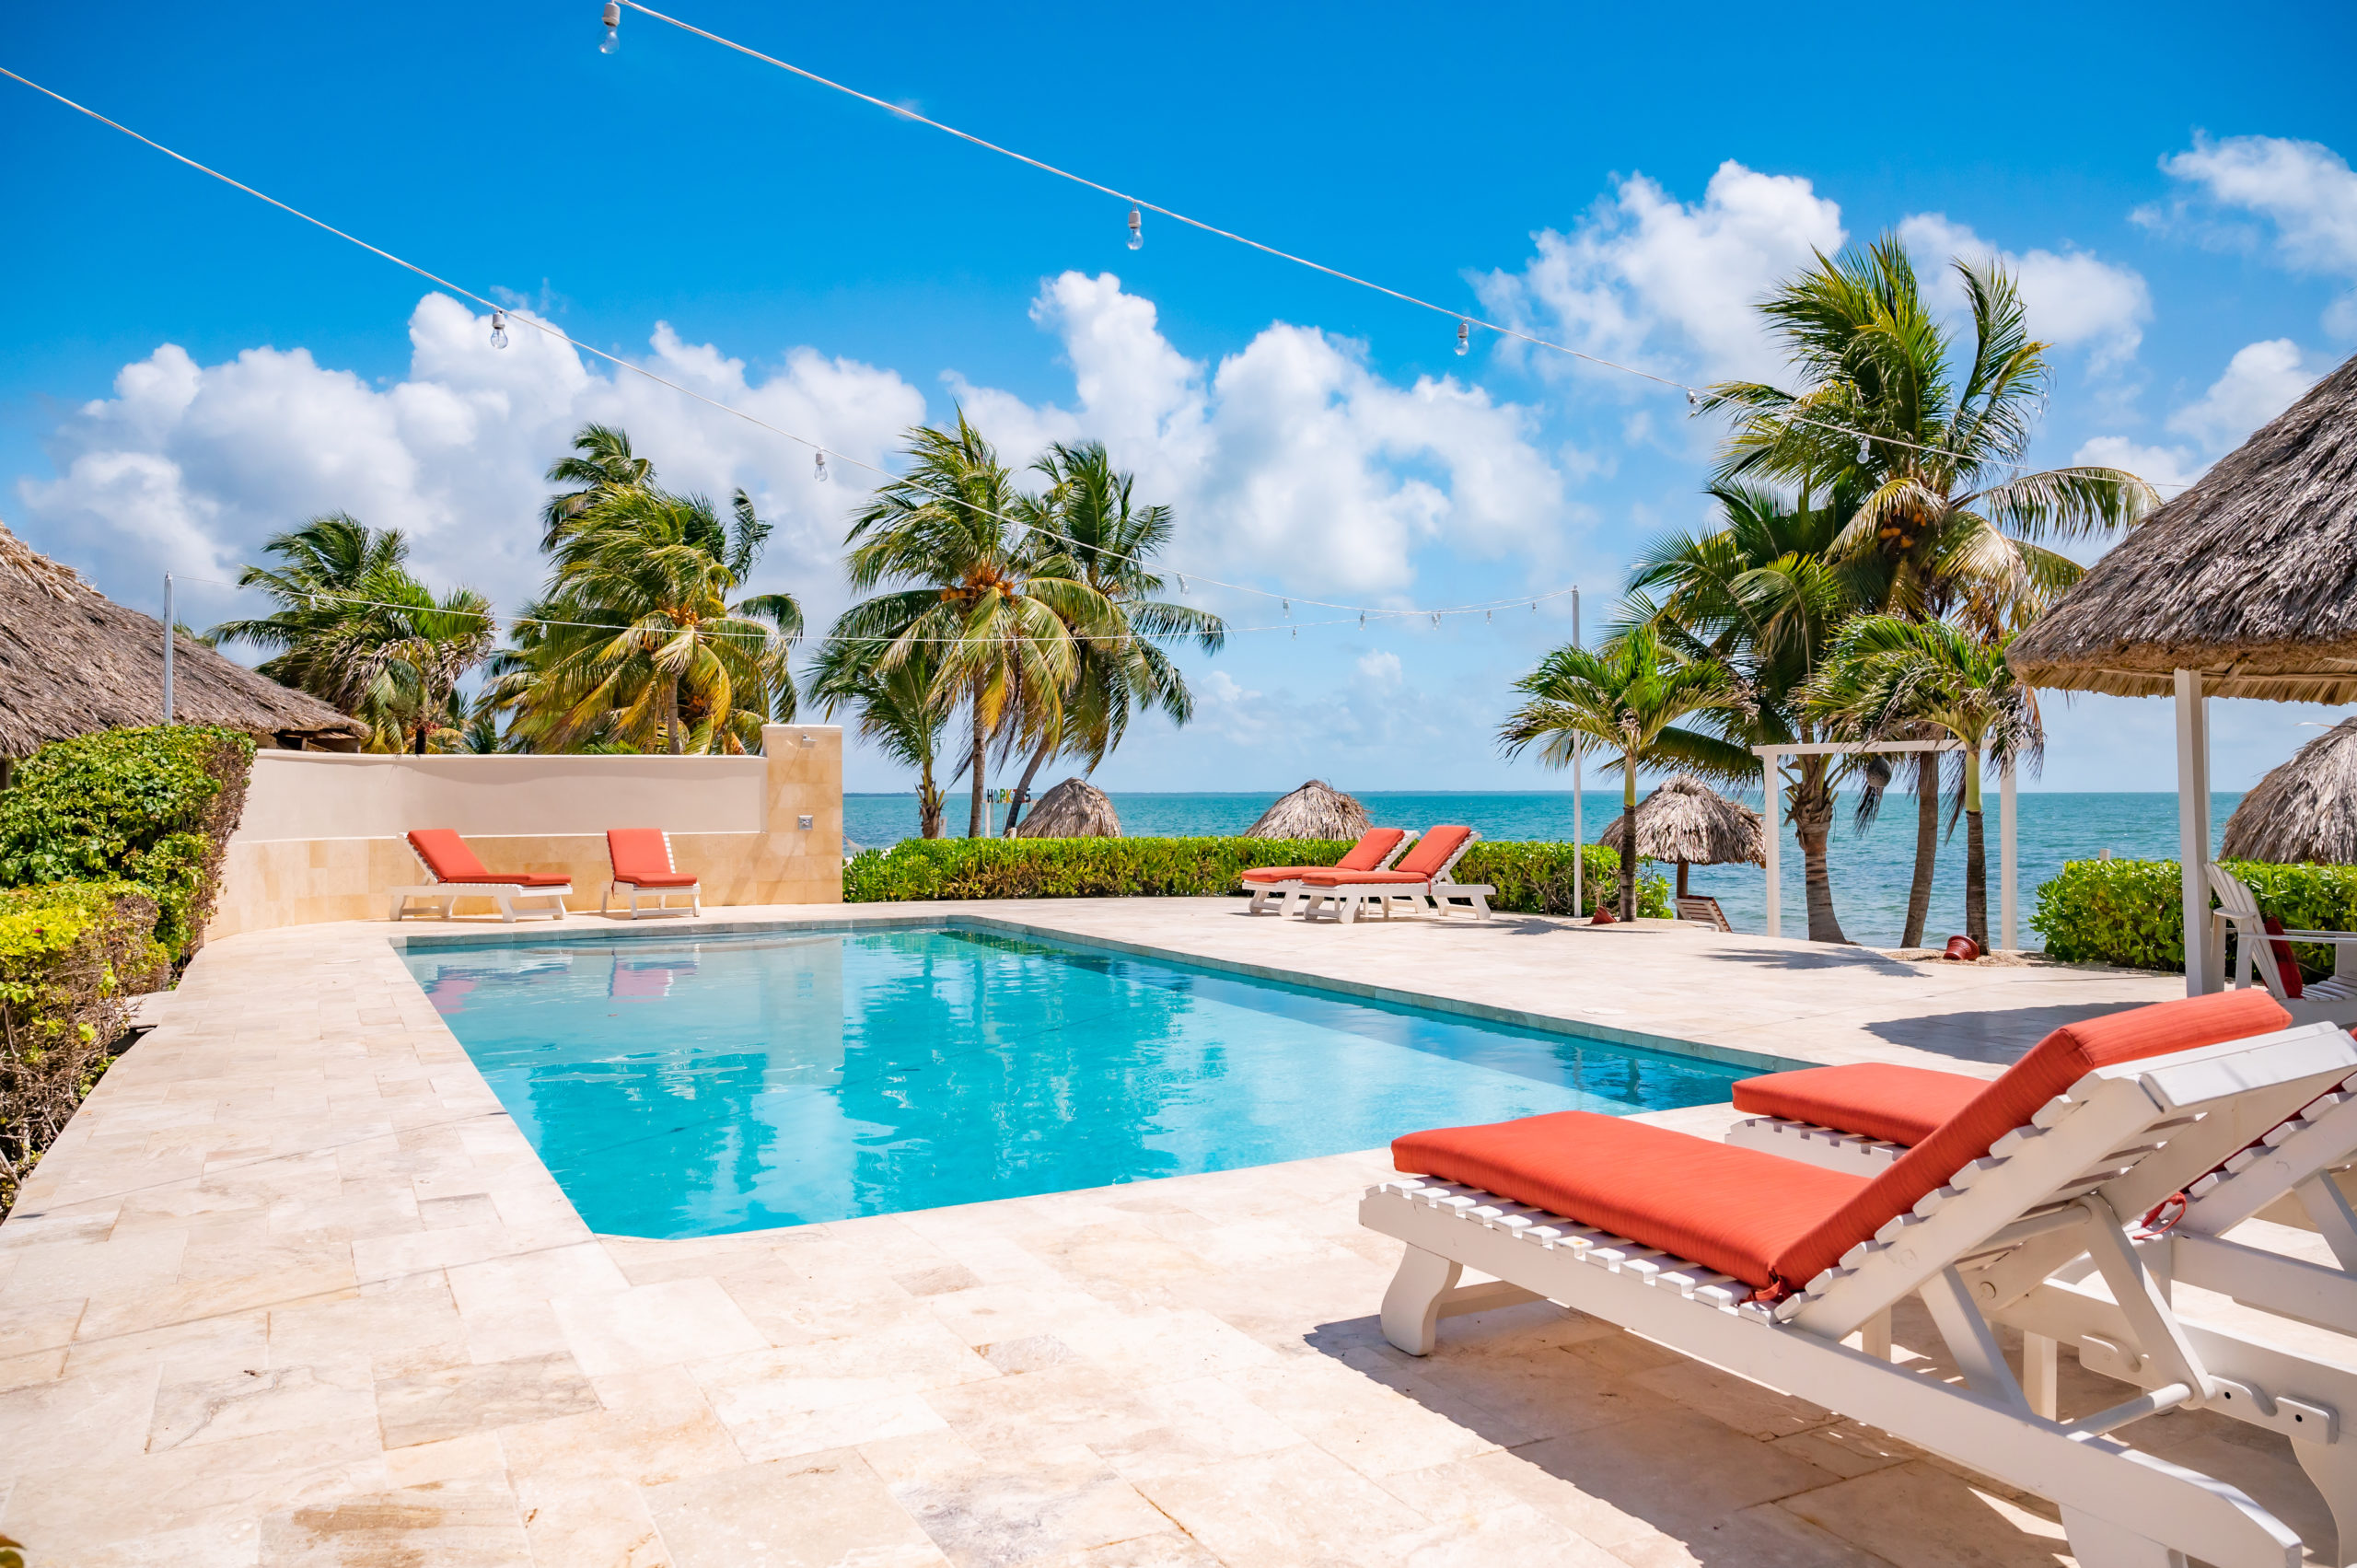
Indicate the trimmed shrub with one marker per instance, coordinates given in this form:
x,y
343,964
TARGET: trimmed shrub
x,y
153,805
72,956
1530,877
2128,912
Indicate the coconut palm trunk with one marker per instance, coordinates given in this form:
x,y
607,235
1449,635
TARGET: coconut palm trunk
x,y
1927,846
929,802
1628,835
1022,789
1813,803
981,746
1976,856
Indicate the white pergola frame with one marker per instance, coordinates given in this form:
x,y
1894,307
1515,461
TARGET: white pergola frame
x,y
2205,956
1772,760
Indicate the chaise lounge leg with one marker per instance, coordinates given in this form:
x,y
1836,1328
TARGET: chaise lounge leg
x,y
2099,1543
2040,1374
1412,1307
2333,1467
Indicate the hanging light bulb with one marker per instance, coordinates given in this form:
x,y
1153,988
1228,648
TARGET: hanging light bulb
x,y
1287,605
1137,231
1489,617
1865,450
1464,338
1362,619
613,39
499,328
818,465
1693,398
1296,634
1182,582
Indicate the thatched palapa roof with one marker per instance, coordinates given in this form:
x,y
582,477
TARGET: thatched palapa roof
x,y
1687,821
1073,810
1316,810
73,661
2250,576
2304,813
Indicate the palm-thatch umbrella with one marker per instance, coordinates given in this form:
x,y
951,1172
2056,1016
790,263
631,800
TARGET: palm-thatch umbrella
x,y
1316,810
1073,810
2304,813
1687,821
2245,585
73,661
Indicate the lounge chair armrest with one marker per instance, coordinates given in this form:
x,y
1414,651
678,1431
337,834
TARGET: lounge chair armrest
x,y
2334,938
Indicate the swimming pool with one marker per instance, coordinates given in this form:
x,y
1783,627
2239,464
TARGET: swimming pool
x,y
703,1085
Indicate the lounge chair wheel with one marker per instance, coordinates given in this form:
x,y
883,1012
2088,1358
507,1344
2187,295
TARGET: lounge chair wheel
x,y
1412,1307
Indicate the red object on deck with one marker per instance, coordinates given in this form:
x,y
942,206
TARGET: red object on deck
x,y
1963,949
1603,915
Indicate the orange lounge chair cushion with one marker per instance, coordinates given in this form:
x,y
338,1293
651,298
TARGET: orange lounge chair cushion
x,y
1365,856
642,860
447,855
1732,1208
1876,1099
1778,1223
2052,1066
1328,876
1432,851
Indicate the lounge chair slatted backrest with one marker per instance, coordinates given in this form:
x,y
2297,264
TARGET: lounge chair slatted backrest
x,y
644,855
1434,852
2050,1069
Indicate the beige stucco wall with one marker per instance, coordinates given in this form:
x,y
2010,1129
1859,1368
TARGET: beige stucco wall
x,y
321,835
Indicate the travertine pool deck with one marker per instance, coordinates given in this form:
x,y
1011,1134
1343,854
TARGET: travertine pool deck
x,y
294,1290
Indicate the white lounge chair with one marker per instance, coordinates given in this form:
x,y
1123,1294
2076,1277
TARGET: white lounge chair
x,y
1422,875
2334,998
643,865
453,873
1377,849
2108,1122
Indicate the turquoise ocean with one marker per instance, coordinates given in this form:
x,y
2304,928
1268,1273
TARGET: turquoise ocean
x,y
1870,869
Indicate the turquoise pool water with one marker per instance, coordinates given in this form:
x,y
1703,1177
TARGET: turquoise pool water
x,y
701,1086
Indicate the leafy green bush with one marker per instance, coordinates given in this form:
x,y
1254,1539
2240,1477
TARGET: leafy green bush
x,y
1530,877
2128,912
72,956
153,805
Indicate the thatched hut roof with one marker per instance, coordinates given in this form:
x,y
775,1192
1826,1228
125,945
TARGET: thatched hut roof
x,y
73,661
2304,813
2250,576
1687,821
1316,810
1073,810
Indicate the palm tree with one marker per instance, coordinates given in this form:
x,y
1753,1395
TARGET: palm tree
x,y
1001,610
1887,673
603,465
1955,533
899,712
1626,695
356,629
644,647
1089,514
1764,594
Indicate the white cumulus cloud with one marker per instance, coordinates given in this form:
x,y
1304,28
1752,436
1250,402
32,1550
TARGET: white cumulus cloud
x,y
2072,298
1646,276
189,468
2304,190
2262,380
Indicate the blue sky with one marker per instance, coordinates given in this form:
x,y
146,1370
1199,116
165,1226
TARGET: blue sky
x,y
184,371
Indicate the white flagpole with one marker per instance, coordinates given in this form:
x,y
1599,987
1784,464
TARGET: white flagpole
x,y
1579,834
167,647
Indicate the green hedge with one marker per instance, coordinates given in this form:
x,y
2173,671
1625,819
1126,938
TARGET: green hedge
x,y
1530,877
2129,911
72,956
153,805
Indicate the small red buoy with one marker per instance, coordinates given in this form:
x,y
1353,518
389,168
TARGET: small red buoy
x,y
1603,916
1963,949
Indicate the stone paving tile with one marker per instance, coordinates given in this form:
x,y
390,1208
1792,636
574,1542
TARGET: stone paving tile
x,y
294,1289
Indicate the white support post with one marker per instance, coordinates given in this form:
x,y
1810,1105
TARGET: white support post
x,y
1579,831
1774,823
2193,829
167,647
2008,886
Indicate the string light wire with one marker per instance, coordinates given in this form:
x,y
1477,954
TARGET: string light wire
x,y
1693,394
549,329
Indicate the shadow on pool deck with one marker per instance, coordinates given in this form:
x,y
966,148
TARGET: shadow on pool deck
x,y
1996,1035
